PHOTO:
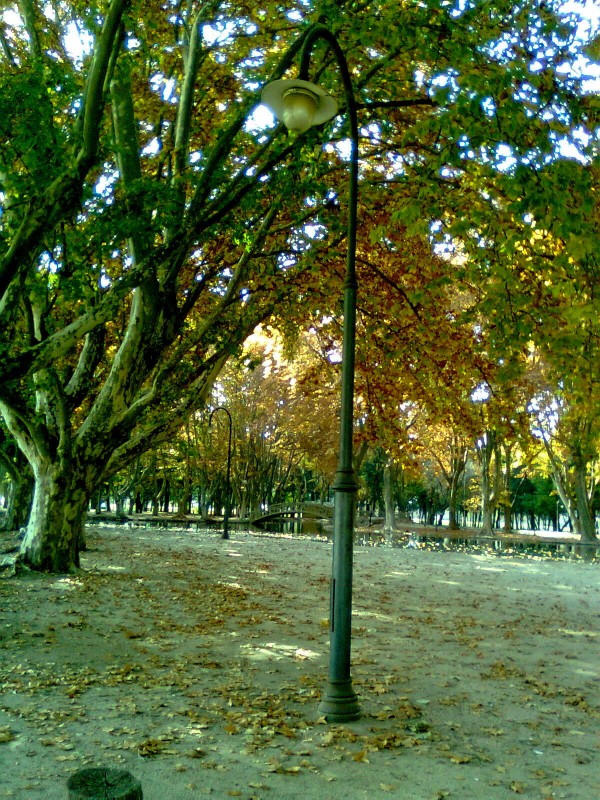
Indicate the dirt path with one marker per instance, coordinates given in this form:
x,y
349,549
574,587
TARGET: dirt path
x,y
197,665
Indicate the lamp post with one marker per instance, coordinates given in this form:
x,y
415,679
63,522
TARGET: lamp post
x,y
228,479
300,104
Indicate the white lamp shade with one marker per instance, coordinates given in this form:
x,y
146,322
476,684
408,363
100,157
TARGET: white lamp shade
x,y
299,104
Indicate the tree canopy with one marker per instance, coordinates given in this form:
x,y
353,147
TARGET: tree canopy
x,y
152,216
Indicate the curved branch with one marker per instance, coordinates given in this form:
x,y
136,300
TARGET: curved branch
x,y
92,106
184,112
28,11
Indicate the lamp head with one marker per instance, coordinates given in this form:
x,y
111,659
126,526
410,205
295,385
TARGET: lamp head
x,y
299,104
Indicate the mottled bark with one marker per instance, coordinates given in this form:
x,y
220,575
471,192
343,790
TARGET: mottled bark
x,y
55,531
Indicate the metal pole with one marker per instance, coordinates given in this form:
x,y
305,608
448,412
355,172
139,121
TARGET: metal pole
x,y
339,702
228,479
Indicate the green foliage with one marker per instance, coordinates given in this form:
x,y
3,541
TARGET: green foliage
x,y
130,273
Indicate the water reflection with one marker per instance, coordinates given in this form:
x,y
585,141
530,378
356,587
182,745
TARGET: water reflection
x,y
322,529
305,527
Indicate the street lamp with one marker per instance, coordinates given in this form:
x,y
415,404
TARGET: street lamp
x,y
228,480
299,104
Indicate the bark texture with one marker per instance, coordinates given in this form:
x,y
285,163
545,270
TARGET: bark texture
x,y
102,783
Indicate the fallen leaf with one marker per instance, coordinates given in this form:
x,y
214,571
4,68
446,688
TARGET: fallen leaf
x,y
6,735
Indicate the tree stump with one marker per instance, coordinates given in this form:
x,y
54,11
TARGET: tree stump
x,y
104,783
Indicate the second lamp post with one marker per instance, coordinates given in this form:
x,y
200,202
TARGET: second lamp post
x,y
228,479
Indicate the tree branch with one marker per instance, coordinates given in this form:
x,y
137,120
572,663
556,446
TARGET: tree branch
x,y
92,105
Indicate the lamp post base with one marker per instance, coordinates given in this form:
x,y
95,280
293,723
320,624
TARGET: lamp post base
x,y
339,702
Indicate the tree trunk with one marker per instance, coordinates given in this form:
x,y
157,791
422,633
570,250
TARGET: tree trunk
x,y
55,531
458,466
453,476
388,497
485,453
120,505
507,500
586,526
578,512
19,500
167,496
452,515
184,498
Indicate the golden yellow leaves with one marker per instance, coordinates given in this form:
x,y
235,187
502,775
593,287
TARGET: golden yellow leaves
x,y
6,734
461,759
517,787
274,765
499,670
197,752
337,739
157,746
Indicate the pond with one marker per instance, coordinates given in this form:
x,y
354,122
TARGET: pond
x,y
305,527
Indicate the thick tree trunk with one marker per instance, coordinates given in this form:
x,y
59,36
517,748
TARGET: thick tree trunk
x,y
55,531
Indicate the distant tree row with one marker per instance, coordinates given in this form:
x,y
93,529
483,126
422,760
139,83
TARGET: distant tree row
x,y
283,410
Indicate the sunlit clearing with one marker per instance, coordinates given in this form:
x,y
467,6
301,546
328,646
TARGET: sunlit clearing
x,y
68,583
371,615
570,632
491,569
272,651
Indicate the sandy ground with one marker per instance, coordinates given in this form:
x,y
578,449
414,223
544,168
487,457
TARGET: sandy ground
x,y
197,664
